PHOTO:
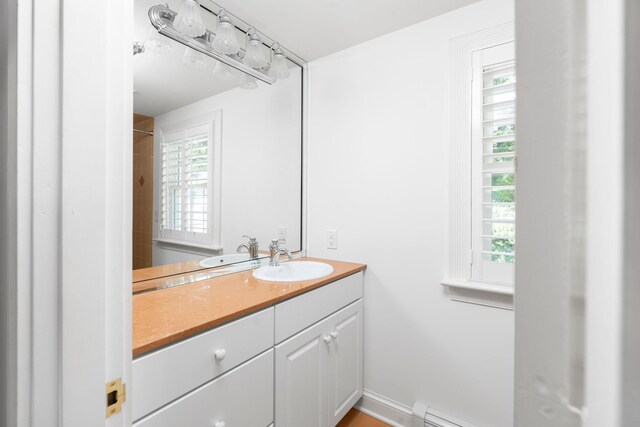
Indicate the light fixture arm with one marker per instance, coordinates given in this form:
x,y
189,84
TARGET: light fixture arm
x,y
162,17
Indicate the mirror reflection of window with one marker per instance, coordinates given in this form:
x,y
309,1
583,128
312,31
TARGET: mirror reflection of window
x,y
189,176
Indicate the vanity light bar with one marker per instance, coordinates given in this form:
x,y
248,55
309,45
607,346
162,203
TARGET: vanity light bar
x,y
162,18
212,7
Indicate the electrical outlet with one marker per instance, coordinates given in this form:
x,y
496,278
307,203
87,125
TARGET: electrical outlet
x,y
282,234
332,239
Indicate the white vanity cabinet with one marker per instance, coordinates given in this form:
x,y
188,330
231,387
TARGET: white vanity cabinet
x,y
319,371
302,357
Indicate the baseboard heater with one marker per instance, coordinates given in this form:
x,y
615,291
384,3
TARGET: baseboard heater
x,y
427,416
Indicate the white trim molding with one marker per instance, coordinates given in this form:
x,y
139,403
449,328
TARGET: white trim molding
x,y
384,409
480,293
461,51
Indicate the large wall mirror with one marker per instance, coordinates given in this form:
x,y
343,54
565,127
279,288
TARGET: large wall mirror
x,y
217,154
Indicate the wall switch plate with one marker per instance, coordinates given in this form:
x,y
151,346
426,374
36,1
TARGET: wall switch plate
x,y
282,234
332,239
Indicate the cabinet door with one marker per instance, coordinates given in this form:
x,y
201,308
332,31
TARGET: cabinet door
x,y
345,361
301,379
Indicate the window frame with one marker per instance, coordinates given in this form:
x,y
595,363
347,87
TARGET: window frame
x,y
458,280
482,270
211,240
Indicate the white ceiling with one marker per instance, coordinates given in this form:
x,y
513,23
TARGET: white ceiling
x,y
312,29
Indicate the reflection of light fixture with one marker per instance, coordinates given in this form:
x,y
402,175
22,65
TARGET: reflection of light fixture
x,y
156,44
189,19
279,68
193,60
247,82
225,41
223,72
254,55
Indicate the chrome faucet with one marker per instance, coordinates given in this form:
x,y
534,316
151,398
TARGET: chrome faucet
x,y
252,247
274,252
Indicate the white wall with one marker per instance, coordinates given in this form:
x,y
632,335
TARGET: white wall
x,y
378,173
261,164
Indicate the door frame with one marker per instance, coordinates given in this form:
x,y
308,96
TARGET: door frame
x,y
66,217
577,292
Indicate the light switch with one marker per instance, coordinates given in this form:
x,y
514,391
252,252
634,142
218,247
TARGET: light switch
x,y
332,239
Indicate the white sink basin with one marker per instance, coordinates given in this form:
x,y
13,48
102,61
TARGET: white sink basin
x,y
216,261
294,271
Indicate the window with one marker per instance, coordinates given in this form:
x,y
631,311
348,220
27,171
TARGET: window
x,y
482,180
493,153
190,183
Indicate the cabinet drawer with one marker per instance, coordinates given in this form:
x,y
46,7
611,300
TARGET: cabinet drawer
x,y
242,397
300,312
166,374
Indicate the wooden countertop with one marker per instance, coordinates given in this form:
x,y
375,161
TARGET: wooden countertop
x,y
168,315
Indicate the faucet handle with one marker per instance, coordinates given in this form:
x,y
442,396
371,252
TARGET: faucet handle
x,y
276,243
251,239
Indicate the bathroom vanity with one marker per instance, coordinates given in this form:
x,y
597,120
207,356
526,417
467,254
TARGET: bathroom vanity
x,y
238,351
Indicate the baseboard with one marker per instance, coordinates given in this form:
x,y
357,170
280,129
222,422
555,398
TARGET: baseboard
x,y
385,410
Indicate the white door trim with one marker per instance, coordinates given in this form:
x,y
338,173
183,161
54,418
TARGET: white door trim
x,y
67,221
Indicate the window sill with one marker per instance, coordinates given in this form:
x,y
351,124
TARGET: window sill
x,y
480,293
185,244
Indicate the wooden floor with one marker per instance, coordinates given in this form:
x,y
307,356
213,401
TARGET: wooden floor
x,y
355,418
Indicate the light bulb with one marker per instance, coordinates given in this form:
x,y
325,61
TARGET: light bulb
x,y
254,55
225,42
156,44
189,19
193,60
224,72
247,82
278,68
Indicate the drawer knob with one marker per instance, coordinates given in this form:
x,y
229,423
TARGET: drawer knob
x,y
327,339
220,355
334,334
220,424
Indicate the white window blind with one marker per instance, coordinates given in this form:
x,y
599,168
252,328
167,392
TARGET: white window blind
x,y
494,176
498,171
185,184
